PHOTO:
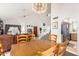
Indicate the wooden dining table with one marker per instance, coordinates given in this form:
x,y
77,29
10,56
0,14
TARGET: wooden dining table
x,y
31,48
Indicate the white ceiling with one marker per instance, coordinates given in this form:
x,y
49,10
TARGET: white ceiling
x,y
17,9
65,9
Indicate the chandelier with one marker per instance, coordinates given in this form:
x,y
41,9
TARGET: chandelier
x,y
39,7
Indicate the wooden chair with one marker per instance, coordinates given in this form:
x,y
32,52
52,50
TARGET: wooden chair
x,y
1,50
31,36
53,37
61,49
22,38
55,50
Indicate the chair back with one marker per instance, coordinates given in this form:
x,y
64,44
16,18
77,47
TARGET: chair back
x,y
62,49
53,37
31,36
22,38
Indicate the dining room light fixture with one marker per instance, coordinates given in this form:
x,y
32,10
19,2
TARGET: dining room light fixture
x,y
39,7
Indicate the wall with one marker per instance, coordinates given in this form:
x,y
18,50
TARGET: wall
x,y
64,11
56,31
12,13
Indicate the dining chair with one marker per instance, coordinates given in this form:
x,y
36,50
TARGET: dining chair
x,y
31,36
22,38
62,49
53,37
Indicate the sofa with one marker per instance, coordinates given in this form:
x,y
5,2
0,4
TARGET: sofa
x,y
6,41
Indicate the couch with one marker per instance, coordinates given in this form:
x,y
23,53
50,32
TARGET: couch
x,y
6,41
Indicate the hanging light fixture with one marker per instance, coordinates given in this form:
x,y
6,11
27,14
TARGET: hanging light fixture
x,y
39,7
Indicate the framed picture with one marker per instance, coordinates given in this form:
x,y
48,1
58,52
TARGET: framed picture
x,y
55,25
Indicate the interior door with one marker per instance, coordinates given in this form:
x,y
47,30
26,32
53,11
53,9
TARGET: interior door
x,y
65,31
35,31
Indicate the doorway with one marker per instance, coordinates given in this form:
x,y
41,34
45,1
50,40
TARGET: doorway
x,y
69,34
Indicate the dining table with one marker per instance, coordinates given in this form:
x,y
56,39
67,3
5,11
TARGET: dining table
x,y
32,48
